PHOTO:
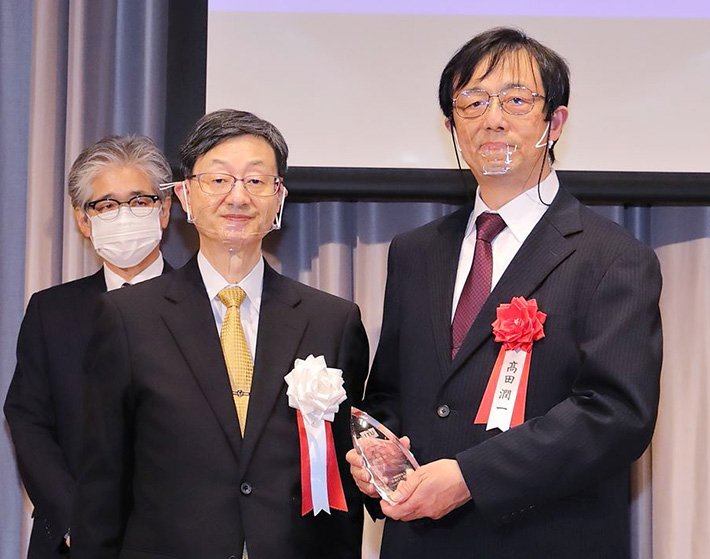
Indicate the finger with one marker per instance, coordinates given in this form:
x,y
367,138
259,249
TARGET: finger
x,y
362,479
406,487
367,488
390,511
406,442
397,512
360,474
353,458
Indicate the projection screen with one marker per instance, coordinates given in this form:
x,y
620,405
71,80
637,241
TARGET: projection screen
x,y
355,84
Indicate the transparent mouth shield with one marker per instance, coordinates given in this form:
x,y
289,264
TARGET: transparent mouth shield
x,y
498,158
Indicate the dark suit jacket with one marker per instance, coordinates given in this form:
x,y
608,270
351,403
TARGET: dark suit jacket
x,y
166,471
558,485
44,403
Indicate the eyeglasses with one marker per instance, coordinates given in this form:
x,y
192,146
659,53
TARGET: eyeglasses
x,y
472,103
223,183
141,205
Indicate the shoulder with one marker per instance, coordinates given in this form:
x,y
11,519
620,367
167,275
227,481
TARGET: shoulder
x,y
609,240
143,295
593,237
452,224
306,296
87,289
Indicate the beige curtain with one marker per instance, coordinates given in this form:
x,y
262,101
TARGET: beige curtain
x,y
97,68
681,458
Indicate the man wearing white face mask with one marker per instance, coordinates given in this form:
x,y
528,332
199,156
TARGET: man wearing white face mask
x,y
113,186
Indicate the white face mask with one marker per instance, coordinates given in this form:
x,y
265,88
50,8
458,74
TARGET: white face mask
x,y
126,240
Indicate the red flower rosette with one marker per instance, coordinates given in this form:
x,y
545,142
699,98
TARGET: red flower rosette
x,y
518,324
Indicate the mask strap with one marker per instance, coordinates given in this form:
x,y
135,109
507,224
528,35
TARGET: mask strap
x,y
543,141
169,185
187,203
457,150
279,216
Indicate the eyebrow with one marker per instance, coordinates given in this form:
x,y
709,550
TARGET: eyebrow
x,y
226,163
131,194
505,86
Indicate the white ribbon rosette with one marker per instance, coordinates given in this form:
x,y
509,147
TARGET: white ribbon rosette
x,y
316,392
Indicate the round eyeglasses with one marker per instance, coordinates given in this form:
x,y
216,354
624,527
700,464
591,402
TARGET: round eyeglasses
x,y
107,209
223,183
472,103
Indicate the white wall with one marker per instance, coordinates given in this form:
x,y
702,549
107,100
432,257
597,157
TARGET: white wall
x,y
360,89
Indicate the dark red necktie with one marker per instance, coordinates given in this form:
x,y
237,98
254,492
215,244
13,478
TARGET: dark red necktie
x,y
478,283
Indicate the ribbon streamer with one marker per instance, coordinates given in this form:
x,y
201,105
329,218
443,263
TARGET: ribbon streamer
x,y
503,403
321,486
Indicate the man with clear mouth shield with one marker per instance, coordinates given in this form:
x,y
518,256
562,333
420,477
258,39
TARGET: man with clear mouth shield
x,y
521,347
203,437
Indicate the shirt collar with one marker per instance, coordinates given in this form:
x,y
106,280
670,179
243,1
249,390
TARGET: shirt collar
x,y
523,212
252,284
114,281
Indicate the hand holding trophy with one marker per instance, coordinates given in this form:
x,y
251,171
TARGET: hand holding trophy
x,y
385,458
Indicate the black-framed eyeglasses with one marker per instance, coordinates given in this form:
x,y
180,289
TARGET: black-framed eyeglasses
x,y
141,205
518,100
223,183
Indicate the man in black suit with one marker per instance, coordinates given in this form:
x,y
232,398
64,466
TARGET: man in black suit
x,y
114,188
193,446
553,481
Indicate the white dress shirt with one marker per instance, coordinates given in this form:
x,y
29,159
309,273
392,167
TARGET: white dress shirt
x,y
114,281
252,284
521,215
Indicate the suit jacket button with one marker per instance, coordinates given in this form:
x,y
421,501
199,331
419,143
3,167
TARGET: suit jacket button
x,y
245,488
443,411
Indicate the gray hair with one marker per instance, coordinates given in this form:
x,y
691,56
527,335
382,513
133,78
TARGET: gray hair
x,y
133,150
219,126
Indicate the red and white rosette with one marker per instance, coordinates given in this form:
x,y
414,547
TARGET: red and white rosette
x,y
316,392
518,324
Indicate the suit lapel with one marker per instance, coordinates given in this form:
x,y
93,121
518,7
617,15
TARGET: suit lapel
x,y
544,249
189,318
442,264
281,328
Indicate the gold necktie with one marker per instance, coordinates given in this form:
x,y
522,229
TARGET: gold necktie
x,y
236,351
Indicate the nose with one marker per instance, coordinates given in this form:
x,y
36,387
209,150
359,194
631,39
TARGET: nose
x,y
238,196
494,115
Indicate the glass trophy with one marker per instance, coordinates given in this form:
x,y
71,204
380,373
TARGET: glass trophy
x,y
385,458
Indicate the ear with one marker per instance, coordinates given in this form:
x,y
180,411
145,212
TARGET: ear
x,y
285,191
557,122
83,222
181,191
165,211
448,124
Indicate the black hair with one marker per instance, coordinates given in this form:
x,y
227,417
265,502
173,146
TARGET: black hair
x,y
219,126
